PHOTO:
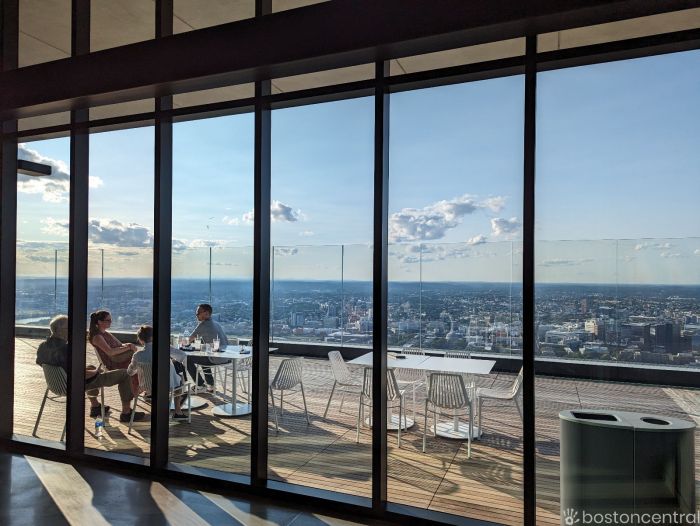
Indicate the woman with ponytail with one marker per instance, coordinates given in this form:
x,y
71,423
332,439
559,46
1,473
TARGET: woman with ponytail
x,y
113,353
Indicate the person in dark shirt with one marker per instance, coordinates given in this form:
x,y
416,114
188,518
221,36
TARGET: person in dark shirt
x,y
54,351
208,330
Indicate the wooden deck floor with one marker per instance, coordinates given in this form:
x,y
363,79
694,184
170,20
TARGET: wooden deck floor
x,y
325,453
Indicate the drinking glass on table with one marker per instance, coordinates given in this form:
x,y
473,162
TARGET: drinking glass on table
x,y
216,343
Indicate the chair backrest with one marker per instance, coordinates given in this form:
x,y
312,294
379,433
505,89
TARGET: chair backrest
x,y
457,354
410,375
341,372
392,386
56,379
145,374
447,390
517,384
289,374
413,351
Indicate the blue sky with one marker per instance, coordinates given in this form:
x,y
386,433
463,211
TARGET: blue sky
x,y
617,158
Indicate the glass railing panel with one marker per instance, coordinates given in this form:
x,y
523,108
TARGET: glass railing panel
x,y
405,305
356,318
191,285
232,290
577,311
306,293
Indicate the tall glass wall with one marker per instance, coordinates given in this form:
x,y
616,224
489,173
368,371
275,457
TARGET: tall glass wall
x,y
455,221
41,292
321,292
212,263
120,284
617,279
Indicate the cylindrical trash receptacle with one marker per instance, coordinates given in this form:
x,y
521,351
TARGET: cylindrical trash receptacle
x,y
618,461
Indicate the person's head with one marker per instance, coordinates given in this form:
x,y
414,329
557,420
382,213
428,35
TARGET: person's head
x,y
203,312
59,327
145,334
100,321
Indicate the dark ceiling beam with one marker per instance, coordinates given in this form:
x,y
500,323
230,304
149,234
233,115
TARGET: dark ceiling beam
x,y
327,35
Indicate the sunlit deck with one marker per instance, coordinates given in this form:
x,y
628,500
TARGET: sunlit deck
x,y
325,453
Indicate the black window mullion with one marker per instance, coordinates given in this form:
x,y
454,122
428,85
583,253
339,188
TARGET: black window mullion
x,y
529,488
379,287
9,29
162,256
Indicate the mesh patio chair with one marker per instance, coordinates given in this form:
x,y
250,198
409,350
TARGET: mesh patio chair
x,y
342,379
145,376
412,378
512,393
56,388
394,398
464,355
244,372
288,376
447,395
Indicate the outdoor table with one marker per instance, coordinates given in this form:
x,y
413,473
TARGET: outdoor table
x,y
468,366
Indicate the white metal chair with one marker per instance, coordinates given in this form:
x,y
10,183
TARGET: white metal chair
x,y
342,379
447,394
57,385
145,375
288,376
412,378
394,396
244,373
458,354
215,369
512,393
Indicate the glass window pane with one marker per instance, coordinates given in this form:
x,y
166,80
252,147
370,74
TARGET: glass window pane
x,y
42,293
213,264
321,292
617,279
455,315
120,282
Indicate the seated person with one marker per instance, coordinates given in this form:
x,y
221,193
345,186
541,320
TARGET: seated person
x,y
113,353
208,330
145,337
54,351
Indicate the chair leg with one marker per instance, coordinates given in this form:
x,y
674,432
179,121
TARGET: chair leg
x,y
481,404
471,431
102,404
517,405
425,424
41,410
274,411
63,435
281,402
329,399
303,397
413,390
342,401
360,412
133,412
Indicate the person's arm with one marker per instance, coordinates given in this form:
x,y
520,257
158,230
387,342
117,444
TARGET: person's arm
x,y
195,332
132,369
99,342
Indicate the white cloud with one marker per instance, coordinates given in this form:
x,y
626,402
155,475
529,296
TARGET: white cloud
x,y
114,232
285,251
477,240
501,226
697,252
433,221
306,233
279,213
54,227
670,255
647,245
54,188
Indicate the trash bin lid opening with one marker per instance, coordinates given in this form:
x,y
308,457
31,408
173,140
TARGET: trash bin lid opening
x,y
655,421
594,416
